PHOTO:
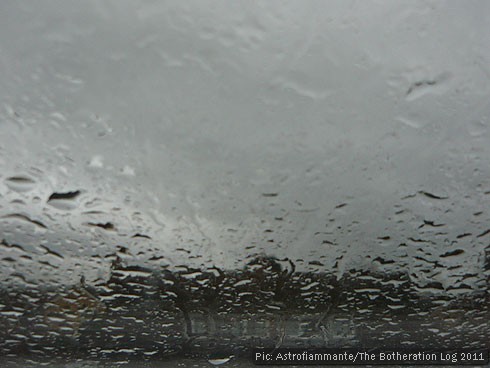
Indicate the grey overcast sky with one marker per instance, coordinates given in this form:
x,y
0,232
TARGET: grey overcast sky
x,y
338,132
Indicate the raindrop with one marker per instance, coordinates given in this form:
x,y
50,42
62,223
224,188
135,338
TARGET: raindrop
x,y
64,201
105,226
20,183
220,358
25,218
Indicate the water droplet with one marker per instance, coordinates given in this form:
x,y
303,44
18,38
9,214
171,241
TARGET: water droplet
x,y
64,201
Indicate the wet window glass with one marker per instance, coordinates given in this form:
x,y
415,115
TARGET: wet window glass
x,y
183,182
